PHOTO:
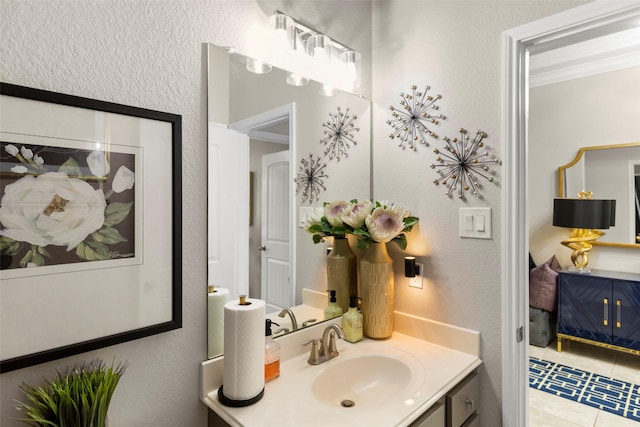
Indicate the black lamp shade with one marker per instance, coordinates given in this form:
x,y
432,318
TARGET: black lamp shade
x,y
584,213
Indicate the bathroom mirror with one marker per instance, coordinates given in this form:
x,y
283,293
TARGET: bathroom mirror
x,y
610,172
260,130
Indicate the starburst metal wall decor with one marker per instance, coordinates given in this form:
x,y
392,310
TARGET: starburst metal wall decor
x,y
411,123
310,178
339,131
462,163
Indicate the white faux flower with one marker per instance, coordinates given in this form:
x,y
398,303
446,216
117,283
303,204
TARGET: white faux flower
x,y
26,153
335,211
11,149
357,213
98,164
384,224
123,180
51,209
19,169
38,160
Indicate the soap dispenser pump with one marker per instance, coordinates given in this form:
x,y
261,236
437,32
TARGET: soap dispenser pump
x,y
333,309
271,354
352,321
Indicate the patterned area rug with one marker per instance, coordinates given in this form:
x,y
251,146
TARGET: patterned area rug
x,y
608,394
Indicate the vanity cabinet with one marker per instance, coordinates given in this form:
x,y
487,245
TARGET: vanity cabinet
x,y
434,417
457,409
600,308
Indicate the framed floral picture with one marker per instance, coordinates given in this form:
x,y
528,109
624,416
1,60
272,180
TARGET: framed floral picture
x,y
90,224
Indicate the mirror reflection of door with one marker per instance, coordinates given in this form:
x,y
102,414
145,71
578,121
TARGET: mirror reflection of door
x,y
275,225
270,245
228,209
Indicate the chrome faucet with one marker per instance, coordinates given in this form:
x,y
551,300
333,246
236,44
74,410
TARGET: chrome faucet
x,y
294,322
324,349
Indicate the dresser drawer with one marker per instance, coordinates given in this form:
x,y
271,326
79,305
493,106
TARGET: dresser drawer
x,y
463,401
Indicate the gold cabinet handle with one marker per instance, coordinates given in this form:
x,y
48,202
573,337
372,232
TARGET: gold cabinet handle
x,y
606,311
618,314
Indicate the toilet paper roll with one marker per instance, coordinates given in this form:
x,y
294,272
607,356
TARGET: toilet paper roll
x,y
215,330
243,371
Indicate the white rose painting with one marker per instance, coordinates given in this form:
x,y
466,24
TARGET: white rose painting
x,y
61,205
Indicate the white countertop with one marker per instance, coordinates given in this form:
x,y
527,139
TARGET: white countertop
x,y
289,400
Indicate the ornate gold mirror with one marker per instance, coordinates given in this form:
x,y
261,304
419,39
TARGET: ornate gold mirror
x,y
610,172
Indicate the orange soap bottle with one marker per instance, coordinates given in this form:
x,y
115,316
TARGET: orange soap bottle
x,y
271,354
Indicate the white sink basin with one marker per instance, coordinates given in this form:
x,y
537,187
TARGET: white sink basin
x,y
362,381
390,382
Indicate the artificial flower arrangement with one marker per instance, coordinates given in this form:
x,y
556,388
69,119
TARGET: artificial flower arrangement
x,y
379,222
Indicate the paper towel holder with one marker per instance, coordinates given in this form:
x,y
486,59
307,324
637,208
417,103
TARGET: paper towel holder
x,y
238,403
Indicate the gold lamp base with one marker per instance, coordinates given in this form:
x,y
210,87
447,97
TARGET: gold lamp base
x,y
580,241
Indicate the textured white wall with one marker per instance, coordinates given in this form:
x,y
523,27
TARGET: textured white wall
x,y
149,54
454,47
594,110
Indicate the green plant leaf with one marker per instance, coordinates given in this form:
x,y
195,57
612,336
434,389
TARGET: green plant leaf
x,y
364,243
9,247
108,236
70,167
80,397
100,250
36,258
116,212
43,251
26,259
401,241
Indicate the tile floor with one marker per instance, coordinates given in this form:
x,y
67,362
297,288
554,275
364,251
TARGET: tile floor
x,y
546,410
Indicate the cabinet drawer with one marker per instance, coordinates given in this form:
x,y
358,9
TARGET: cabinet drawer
x,y
434,417
463,401
473,421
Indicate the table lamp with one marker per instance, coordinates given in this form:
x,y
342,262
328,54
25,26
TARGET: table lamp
x,y
586,217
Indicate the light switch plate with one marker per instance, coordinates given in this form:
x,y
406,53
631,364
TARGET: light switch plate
x,y
475,223
304,213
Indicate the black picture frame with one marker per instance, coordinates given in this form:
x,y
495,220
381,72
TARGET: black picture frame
x,y
170,231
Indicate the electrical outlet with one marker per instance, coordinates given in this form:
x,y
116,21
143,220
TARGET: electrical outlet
x,y
416,282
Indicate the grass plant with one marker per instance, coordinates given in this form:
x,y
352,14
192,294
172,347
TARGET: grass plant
x,y
78,397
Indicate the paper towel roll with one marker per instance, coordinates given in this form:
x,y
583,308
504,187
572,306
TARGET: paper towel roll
x,y
243,371
215,330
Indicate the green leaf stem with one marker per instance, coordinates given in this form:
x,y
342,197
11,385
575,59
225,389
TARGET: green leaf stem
x,y
116,212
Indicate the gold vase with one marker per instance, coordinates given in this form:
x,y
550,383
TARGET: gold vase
x,y
377,287
342,272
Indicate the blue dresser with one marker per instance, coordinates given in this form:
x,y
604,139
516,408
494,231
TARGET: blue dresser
x,y
601,308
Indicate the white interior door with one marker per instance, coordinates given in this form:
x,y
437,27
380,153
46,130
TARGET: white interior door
x,y
276,237
228,233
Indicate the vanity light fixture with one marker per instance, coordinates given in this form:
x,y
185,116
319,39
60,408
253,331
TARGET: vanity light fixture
x,y
258,67
586,217
413,272
308,54
409,266
411,123
462,163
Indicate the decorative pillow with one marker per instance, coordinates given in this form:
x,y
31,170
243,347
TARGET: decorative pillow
x,y
543,287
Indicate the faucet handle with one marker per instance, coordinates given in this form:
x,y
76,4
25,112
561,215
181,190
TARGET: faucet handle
x,y
314,357
333,349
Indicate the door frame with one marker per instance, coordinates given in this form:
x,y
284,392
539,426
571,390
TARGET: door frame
x,y
548,33
262,120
